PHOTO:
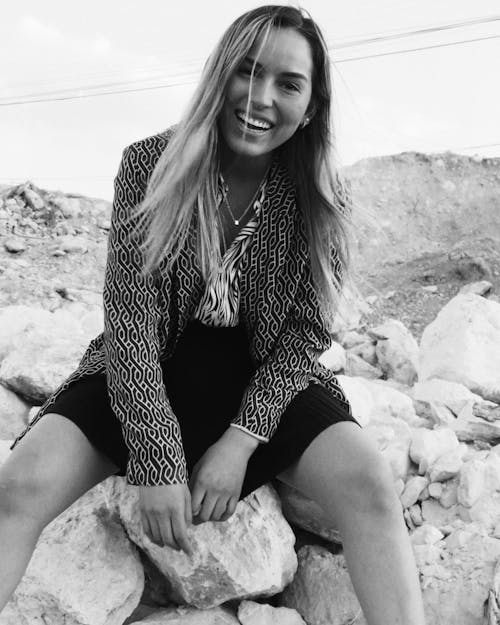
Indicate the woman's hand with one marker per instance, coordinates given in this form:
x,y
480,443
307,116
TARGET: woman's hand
x,y
165,515
218,476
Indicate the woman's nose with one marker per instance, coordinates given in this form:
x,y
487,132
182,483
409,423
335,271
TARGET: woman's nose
x,y
262,93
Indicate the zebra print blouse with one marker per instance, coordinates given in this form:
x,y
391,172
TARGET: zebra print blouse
x,y
219,305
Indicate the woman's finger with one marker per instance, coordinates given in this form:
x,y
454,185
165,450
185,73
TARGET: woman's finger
x,y
147,527
167,536
230,509
219,509
180,533
197,497
188,515
207,507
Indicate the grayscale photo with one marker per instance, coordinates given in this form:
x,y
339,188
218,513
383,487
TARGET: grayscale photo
x,y
250,313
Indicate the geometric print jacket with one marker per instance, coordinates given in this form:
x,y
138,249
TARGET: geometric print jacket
x,y
145,316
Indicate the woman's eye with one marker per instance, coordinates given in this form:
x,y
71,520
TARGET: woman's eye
x,y
291,86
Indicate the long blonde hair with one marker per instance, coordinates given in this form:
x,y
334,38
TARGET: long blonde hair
x,y
184,181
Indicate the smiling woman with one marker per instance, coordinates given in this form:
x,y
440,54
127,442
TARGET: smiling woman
x,y
205,383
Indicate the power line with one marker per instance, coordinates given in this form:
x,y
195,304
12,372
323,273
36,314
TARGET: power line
x,y
420,31
111,88
437,45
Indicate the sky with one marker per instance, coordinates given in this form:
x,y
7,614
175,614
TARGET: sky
x,y
431,100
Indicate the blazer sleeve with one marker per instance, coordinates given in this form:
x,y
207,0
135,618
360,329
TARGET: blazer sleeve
x,y
131,343
290,366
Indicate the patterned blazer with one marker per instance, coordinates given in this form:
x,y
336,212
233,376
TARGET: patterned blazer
x,y
144,317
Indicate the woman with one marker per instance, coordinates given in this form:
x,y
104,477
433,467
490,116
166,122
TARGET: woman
x,y
224,266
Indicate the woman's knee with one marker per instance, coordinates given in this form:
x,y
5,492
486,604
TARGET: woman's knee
x,y
50,468
343,469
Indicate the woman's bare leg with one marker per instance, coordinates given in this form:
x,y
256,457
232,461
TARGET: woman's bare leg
x,y
49,469
343,471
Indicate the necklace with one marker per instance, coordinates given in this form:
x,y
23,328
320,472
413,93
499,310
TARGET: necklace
x,y
250,204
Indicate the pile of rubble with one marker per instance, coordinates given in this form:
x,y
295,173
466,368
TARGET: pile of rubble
x,y
434,410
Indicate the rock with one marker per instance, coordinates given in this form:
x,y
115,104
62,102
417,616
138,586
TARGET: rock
x,y
14,319
435,490
429,445
321,590
14,245
351,338
376,400
73,244
435,514
452,395
366,351
431,288
414,486
184,615
460,345
69,206
41,362
251,554
447,466
13,414
463,576
477,478
334,357
415,515
397,351
33,199
252,613
448,496
306,513
84,570
355,366
483,287
426,535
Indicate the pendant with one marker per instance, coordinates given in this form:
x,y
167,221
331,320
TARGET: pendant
x,y
236,222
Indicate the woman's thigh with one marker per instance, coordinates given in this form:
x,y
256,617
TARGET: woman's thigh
x,y
51,467
342,469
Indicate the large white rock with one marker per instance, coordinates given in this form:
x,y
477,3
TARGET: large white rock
x,y
14,319
321,590
429,445
377,400
84,570
456,586
448,465
13,414
461,345
397,351
413,488
453,395
252,613
41,359
251,554
478,478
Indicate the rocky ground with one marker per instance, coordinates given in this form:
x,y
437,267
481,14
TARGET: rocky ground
x,y
424,386
424,227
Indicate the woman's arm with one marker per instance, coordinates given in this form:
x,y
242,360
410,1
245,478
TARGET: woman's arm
x,y
131,343
289,367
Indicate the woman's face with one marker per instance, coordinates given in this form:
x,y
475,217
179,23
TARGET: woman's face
x,y
279,99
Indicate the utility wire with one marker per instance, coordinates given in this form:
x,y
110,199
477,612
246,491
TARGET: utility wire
x,y
191,77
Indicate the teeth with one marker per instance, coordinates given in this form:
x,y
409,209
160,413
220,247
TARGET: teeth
x,y
254,122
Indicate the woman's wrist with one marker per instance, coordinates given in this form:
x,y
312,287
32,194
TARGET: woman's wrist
x,y
241,439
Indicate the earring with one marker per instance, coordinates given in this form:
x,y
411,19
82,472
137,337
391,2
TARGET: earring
x,y
304,123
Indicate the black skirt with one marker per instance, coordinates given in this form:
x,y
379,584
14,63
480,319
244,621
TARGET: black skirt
x,y
205,380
